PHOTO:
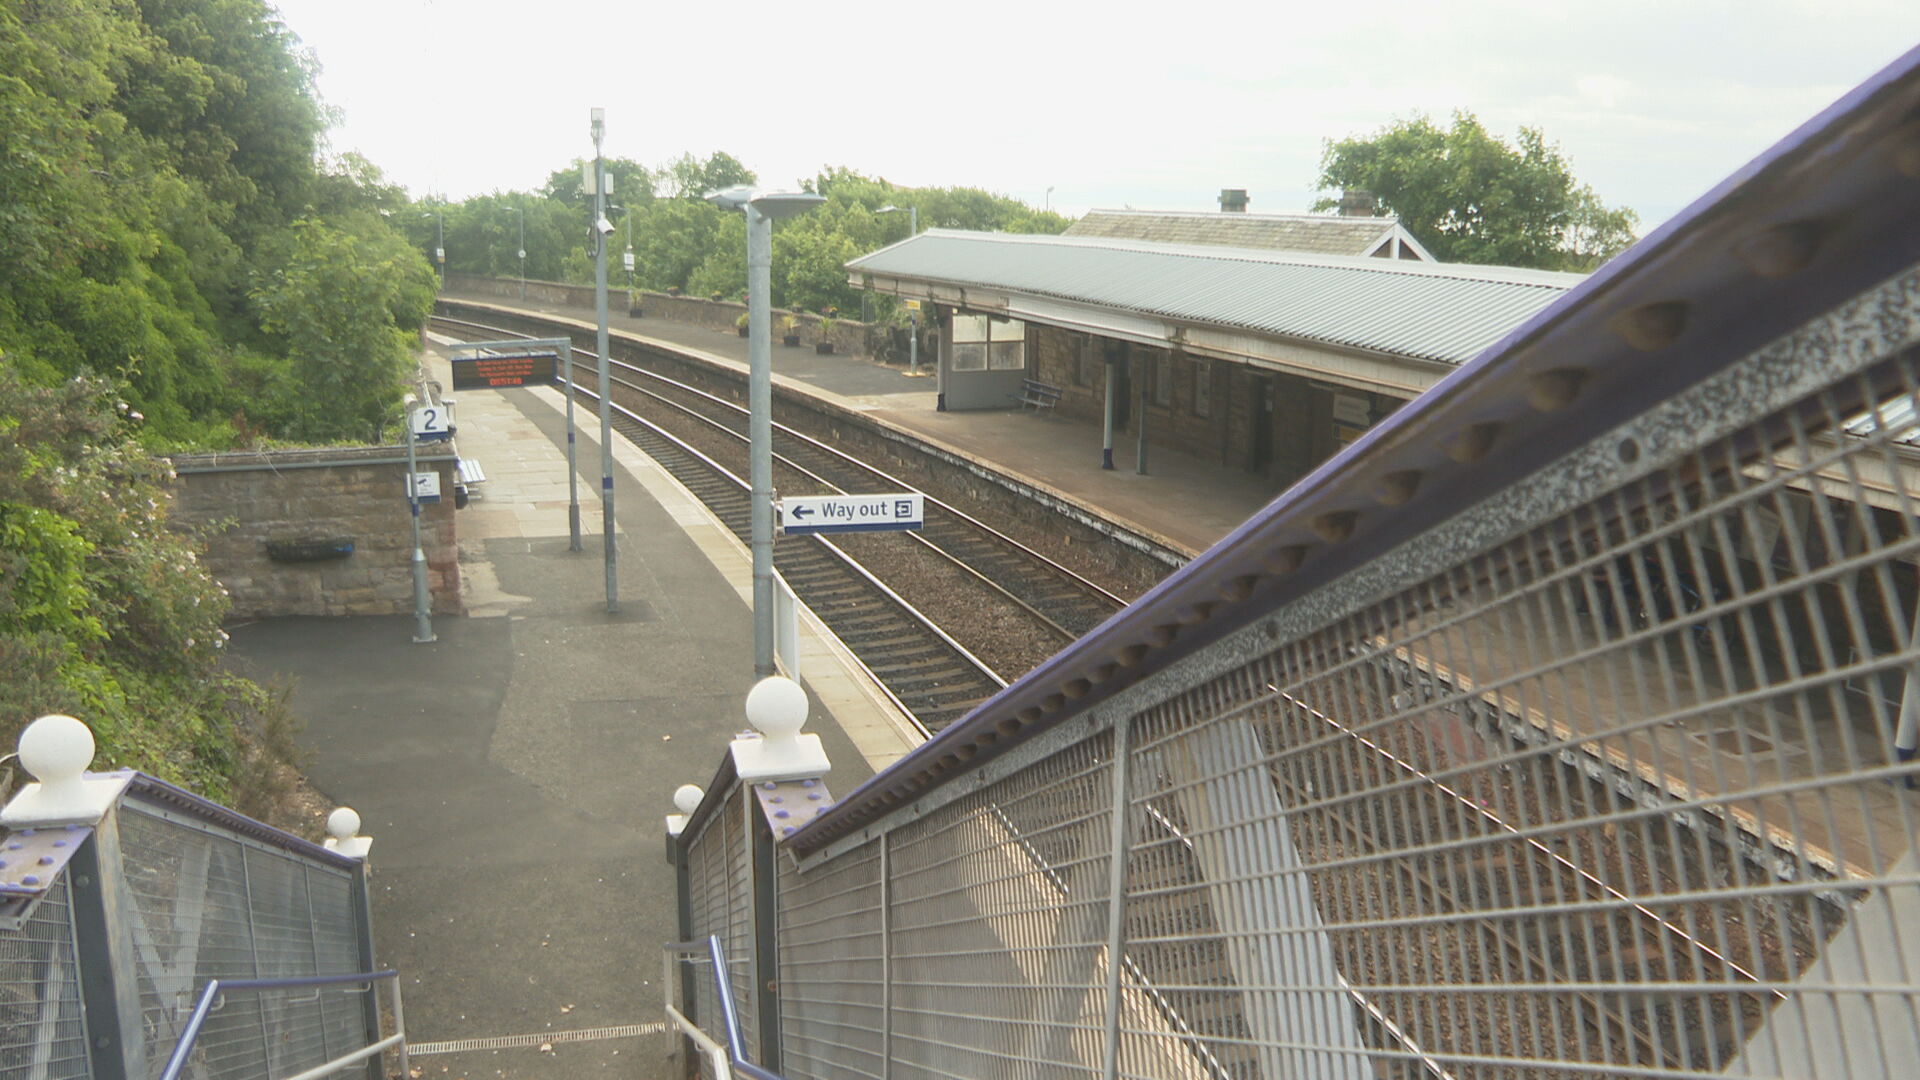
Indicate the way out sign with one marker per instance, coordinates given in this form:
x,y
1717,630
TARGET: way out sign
x,y
850,513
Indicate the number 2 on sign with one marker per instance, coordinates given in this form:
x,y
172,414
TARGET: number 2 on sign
x,y
430,422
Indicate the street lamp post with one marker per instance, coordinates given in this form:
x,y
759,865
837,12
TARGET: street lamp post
x,y
439,244
761,210
522,211
626,259
602,229
913,315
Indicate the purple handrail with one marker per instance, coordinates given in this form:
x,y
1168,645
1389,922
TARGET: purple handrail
x,y
177,1061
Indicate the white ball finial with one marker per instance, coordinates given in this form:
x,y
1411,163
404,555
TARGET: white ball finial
x,y
687,798
56,750
777,707
343,834
344,823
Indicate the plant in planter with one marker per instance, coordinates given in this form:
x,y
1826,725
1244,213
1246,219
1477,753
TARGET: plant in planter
x,y
716,295
675,290
741,324
825,345
791,336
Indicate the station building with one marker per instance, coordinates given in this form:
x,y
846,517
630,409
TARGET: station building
x,y
1263,342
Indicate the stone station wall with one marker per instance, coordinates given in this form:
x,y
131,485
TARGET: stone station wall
x,y
243,502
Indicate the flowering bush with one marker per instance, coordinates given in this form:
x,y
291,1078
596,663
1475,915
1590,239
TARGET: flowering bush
x,y
104,612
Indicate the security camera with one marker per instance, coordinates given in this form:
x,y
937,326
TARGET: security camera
x,y
603,227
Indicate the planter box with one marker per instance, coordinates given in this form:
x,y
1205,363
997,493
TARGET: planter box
x,y
742,329
791,341
824,348
310,549
635,313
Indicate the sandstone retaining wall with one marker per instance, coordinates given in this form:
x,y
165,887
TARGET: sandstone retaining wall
x,y
242,502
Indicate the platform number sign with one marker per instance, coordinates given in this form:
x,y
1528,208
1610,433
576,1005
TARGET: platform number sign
x,y
432,423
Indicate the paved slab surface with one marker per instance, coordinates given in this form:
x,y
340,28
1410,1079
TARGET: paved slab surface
x,y
514,774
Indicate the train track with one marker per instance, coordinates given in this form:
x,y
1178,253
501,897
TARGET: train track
x,y
931,675
1478,918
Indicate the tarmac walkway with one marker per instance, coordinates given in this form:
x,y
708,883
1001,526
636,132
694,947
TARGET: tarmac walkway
x,y
514,774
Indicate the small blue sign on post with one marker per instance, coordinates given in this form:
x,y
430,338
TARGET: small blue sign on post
x,y
850,513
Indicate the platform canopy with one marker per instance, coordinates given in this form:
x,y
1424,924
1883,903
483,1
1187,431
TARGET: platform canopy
x,y
1393,326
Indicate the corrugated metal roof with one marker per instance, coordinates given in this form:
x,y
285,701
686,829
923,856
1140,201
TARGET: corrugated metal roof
x,y
1324,234
1428,311
1846,173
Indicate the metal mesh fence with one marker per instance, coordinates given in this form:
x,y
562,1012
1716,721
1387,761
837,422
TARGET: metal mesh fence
x,y
211,905
42,1033
1616,791
719,867
833,967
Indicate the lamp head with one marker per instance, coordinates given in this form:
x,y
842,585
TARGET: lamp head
x,y
733,198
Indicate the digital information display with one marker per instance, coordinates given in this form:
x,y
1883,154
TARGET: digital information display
x,y
505,372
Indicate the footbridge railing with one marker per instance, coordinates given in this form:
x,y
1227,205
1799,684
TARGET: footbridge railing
x,y
124,899
1564,726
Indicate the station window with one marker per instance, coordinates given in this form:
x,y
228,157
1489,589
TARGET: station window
x,y
984,343
1202,388
1086,364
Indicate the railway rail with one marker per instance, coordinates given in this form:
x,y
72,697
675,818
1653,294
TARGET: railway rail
x,y
1678,1023
931,675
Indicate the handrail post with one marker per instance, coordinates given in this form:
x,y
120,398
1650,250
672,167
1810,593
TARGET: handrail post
x,y
399,1027
723,995
689,990
103,951
370,1003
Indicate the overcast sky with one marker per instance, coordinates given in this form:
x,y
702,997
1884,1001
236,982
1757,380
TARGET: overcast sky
x,y
1152,106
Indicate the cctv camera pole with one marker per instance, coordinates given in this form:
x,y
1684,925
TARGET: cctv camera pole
x,y
422,606
600,231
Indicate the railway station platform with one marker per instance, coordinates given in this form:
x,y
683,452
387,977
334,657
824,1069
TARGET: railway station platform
x,y
1190,504
1184,501
515,773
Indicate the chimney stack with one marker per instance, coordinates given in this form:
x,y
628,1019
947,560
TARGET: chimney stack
x,y
1354,203
1233,200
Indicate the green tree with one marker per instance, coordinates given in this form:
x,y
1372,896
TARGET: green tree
x,y
629,182
1470,197
688,177
344,300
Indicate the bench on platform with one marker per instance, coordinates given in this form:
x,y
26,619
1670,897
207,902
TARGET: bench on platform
x,y
1042,397
467,482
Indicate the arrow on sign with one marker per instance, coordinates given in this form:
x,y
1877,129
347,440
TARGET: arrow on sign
x,y
802,511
